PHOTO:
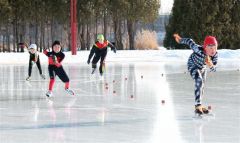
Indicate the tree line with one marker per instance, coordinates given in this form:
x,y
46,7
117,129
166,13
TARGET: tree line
x,y
43,21
197,18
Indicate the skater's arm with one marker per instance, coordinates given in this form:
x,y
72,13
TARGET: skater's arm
x,y
211,62
59,59
113,48
195,47
45,51
62,56
215,59
214,62
36,56
91,53
187,41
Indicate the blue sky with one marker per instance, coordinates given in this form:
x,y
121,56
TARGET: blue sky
x,y
166,6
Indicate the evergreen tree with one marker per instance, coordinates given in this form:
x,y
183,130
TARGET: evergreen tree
x,y
197,19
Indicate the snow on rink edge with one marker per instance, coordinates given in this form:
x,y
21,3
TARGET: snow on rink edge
x,y
123,56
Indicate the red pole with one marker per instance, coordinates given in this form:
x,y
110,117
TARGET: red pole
x,y
74,27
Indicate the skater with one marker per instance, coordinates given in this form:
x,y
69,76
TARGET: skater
x,y
55,57
202,57
99,50
34,59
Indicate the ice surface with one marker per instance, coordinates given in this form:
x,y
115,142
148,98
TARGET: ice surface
x,y
135,113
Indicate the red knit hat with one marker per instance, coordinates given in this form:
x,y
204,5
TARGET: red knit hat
x,y
210,40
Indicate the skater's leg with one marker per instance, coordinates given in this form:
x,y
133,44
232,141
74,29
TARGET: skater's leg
x,y
199,91
60,72
51,83
39,66
66,85
199,86
94,62
102,62
52,77
64,78
30,68
204,77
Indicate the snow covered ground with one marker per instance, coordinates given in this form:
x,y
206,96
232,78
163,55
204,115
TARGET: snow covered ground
x,y
144,97
123,56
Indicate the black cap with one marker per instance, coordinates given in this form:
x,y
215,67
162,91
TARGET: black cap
x,y
56,43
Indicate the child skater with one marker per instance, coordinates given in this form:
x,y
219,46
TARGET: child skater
x,y
34,58
55,58
202,57
99,50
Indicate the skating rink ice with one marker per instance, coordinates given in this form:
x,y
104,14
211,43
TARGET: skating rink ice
x,y
141,102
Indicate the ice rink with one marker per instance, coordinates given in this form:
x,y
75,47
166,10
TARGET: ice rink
x,y
141,102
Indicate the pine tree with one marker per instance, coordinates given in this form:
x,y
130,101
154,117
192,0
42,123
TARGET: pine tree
x,y
197,19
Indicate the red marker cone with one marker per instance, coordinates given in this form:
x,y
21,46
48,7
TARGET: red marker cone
x,y
209,107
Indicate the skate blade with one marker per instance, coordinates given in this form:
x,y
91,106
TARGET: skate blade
x,y
209,115
198,116
71,94
204,116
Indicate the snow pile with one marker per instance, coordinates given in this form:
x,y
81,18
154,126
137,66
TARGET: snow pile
x,y
123,56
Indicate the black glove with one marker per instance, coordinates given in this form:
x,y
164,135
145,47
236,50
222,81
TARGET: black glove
x,y
88,61
114,50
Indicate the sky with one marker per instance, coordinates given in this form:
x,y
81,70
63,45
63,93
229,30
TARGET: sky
x,y
166,6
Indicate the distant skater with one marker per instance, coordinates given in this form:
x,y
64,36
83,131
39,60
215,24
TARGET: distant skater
x,y
55,58
99,50
34,59
202,57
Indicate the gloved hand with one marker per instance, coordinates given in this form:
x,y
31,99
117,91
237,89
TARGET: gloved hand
x,y
54,59
208,62
88,61
114,50
177,37
32,62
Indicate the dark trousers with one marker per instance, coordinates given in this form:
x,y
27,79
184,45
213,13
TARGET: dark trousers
x,y
59,71
102,55
31,65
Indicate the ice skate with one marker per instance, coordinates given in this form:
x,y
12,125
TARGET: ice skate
x,y
49,94
101,76
205,110
28,78
69,91
200,110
